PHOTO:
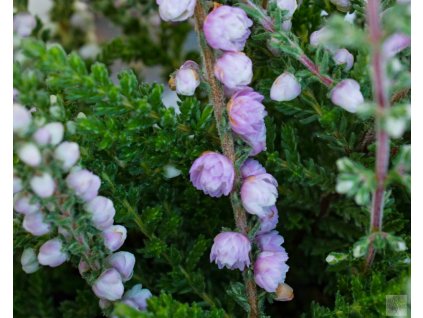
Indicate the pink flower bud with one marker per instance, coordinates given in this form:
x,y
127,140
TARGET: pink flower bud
x,y
252,167
109,285
23,24
231,249
124,263
35,224
25,204
319,37
285,88
21,119
176,10
187,78
343,56
29,261
288,5
114,237
137,297
43,185
50,134
30,154
234,70
269,222
227,28
83,267
347,95
84,183
395,44
51,253
102,212
246,117
259,194
270,270
287,25
68,154
17,184
213,173
271,242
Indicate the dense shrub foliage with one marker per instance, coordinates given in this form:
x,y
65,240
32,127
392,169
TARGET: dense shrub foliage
x,y
322,156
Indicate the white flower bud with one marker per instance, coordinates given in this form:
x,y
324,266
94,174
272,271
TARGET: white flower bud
x,y
17,184
30,154
234,70
342,56
186,79
68,153
288,5
51,133
29,261
51,253
114,237
84,183
43,185
23,203
21,119
124,263
342,5
176,10
35,224
109,285
102,212
24,24
285,88
287,25
347,95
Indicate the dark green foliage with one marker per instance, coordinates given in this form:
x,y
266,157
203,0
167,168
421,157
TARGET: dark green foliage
x,y
133,142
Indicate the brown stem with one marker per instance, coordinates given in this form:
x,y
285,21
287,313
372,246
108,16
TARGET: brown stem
x,y
217,98
382,103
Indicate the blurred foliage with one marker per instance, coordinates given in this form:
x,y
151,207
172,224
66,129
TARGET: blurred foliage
x,y
143,150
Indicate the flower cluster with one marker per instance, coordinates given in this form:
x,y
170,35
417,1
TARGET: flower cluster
x,y
57,200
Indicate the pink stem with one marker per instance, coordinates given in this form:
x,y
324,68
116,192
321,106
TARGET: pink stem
x,y
382,139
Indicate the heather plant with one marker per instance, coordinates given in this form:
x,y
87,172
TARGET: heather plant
x,y
276,185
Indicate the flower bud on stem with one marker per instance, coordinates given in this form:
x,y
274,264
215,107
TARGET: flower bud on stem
x,y
218,100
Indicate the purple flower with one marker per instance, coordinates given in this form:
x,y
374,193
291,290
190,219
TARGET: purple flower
x,y
395,44
176,10
271,242
347,95
251,167
212,173
246,117
17,184
137,297
68,154
285,88
102,212
259,194
114,237
51,253
187,79
23,24
43,185
234,70
50,134
227,28
343,56
84,183
21,119
270,270
24,204
124,263
288,5
231,249
109,285
29,261
35,224
269,222
30,154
